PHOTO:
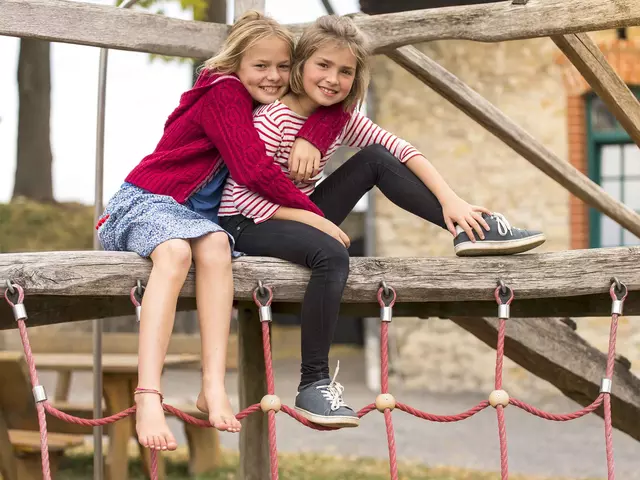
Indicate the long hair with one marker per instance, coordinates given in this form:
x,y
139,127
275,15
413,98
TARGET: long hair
x,y
249,29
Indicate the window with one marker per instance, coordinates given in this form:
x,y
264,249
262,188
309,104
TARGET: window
x,y
614,163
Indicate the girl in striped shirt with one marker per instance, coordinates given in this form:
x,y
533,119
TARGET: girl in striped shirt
x,y
331,67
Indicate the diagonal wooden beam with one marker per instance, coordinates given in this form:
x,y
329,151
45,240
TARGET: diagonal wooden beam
x,y
495,121
111,27
585,55
554,352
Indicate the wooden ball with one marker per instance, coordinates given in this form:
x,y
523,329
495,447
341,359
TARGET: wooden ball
x,y
270,402
384,401
499,397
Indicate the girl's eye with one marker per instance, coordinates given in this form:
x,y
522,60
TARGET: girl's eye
x,y
260,65
285,67
347,72
322,65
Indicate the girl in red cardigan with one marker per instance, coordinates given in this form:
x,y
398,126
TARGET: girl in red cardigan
x,y
167,209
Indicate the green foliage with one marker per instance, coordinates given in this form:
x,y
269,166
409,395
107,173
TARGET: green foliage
x,y
27,226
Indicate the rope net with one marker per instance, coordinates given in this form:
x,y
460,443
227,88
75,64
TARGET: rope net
x,y
385,402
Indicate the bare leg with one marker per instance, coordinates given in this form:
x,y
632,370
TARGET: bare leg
x,y
171,263
214,298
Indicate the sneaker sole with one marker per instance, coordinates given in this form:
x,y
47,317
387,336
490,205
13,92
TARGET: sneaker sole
x,y
341,422
504,247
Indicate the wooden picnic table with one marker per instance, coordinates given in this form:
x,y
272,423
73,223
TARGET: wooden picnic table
x,y
120,378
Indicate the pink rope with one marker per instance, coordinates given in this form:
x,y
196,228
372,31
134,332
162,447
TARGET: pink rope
x,y
384,382
393,463
502,432
45,407
271,421
153,473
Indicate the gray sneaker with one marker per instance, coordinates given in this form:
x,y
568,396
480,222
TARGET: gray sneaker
x,y
502,239
321,402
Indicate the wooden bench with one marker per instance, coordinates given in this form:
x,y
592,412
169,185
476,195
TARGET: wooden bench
x,y
26,445
18,403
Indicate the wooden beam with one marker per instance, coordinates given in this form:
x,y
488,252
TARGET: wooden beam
x,y
489,116
585,55
69,286
110,27
252,386
554,352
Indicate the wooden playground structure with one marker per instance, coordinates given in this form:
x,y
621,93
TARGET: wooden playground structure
x,y
551,287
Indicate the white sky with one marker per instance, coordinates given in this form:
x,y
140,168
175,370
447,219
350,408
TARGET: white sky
x,y
140,96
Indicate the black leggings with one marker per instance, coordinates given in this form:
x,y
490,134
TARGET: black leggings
x,y
327,258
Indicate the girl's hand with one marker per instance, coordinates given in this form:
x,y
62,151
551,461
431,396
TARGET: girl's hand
x,y
304,160
330,228
468,217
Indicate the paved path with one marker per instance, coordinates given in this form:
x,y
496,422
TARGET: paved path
x,y
539,447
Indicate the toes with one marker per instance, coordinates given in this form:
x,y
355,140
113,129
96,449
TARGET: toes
x,y
156,442
172,444
163,442
144,441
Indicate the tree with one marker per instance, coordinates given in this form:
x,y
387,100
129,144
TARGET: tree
x,y
33,169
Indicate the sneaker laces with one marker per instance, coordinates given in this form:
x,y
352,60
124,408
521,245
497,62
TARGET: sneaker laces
x,y
333,391
503,224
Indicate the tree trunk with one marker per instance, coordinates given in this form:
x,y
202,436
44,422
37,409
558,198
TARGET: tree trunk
x,y
33,171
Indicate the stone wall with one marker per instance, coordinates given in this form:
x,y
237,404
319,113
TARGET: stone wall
x,y
524,80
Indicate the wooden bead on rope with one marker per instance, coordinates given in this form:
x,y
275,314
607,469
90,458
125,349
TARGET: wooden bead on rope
x,y
270,402
499,397
384,401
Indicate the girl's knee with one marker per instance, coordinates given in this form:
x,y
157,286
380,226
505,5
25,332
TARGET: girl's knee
x,y
213,249
173,255
334,258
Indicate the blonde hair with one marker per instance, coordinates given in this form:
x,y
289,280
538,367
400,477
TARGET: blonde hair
x,y
343,32
249,29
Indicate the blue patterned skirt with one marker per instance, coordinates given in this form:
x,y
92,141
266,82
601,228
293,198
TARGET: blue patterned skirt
x,y
136,220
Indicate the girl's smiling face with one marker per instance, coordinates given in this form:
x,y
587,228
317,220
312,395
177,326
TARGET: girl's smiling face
x,y
265,68
328,74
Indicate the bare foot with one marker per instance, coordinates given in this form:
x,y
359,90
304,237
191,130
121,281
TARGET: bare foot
x,y
215,403
151,426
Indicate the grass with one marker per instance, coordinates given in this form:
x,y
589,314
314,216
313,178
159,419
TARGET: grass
x,y
294,467
31,226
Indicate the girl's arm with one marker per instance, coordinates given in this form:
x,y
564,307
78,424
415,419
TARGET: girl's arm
x,y
362,132
324,126
227,118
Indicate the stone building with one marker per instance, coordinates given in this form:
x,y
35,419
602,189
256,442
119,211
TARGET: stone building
x,y
534,85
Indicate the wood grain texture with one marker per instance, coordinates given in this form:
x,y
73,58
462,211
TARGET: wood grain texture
x,y
585,55
105,26
71,286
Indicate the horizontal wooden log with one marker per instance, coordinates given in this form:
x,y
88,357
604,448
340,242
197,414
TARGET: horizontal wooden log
x,y
495,121
592,64
110,27
554,352
69,286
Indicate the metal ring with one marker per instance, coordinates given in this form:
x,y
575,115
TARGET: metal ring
x,y
140,288
618,289
261,288
617,282
503,287
385,288
10,287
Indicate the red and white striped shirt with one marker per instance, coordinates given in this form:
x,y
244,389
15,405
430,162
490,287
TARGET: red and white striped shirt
x,y
277,126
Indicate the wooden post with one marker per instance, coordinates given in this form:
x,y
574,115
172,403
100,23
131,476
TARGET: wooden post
x,y
252,386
